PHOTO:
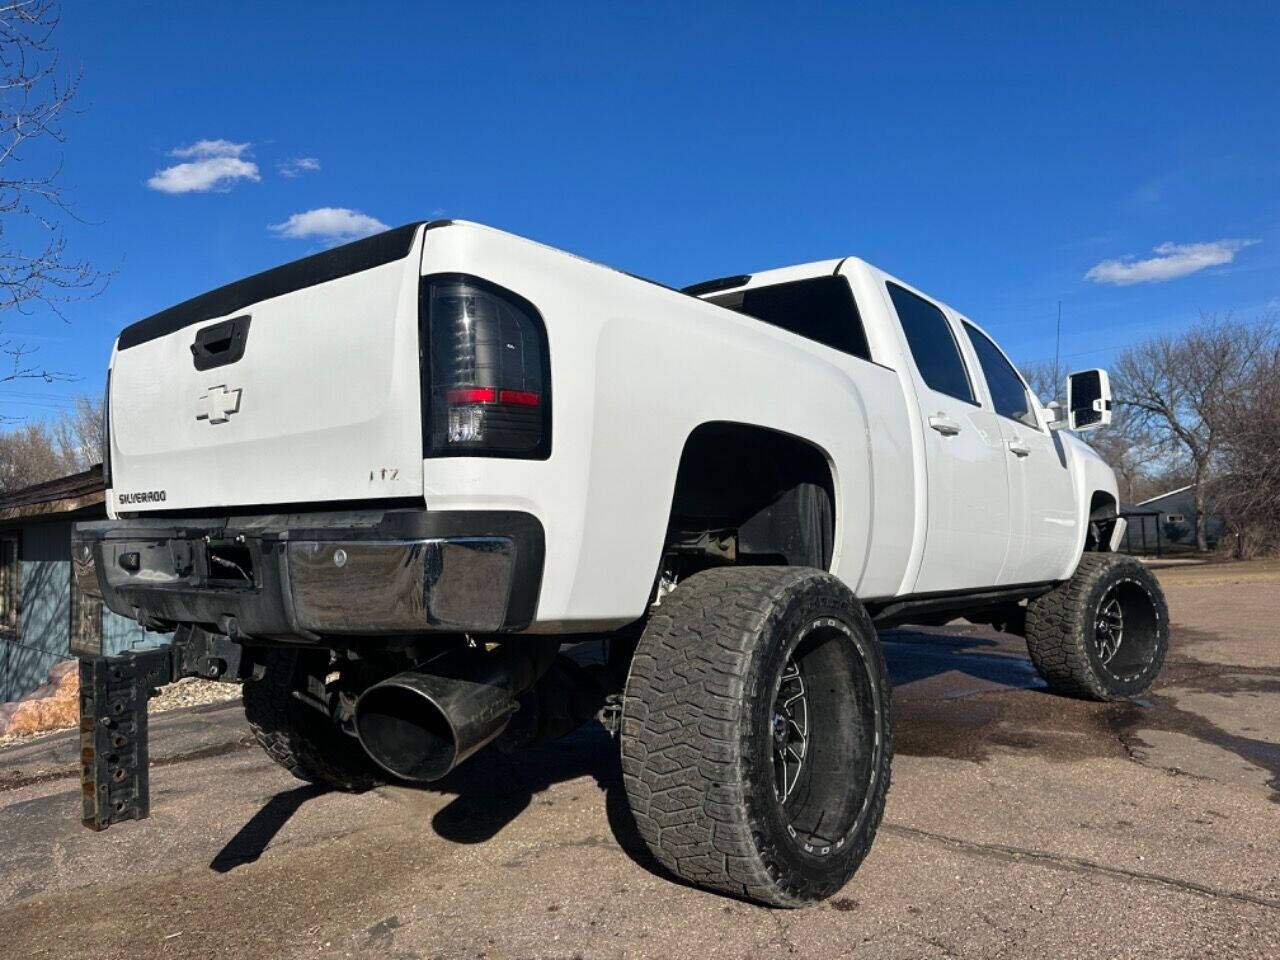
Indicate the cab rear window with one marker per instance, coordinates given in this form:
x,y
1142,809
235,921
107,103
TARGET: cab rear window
x,y
821,309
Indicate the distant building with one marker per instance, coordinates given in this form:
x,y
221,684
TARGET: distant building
x,y
40,608
1170,521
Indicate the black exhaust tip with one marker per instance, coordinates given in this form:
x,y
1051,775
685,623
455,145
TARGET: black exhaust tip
x,y
406,735
419,726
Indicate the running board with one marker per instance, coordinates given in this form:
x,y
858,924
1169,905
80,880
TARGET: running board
x,y
912,609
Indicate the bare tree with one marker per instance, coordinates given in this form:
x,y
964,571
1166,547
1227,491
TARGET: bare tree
x,y
1181,391
28,455
1047,380
1123,444
35,93
1247,487
35,452
79,433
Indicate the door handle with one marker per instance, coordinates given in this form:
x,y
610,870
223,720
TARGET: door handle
x,y
944,425
1018,448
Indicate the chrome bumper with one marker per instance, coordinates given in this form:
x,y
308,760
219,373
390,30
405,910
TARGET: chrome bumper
x,y
460,584
310,576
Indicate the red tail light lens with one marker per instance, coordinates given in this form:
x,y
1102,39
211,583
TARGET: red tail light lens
x,y
486,375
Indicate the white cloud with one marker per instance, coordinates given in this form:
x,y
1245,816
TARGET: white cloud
x,y
1171,260
210,148
298,166
328,223
211,165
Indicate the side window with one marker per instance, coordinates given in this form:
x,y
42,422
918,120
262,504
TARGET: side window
x,y
820,309
9,586
86,618
932,344
1008,394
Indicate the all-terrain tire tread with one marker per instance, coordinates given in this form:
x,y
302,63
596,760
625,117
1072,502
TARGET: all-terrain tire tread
x,y
683,762
1058,628
292,734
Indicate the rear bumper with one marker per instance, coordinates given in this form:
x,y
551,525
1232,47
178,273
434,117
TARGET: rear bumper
x,y
310,575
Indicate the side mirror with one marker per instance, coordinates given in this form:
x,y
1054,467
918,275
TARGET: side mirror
x,y
1088,400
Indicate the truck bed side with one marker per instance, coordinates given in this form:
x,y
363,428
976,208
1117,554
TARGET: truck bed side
x,y
636,368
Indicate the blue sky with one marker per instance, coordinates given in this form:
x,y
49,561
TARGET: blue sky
x,y
991,154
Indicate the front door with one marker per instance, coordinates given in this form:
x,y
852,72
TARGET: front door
x,y
968,530
1045,525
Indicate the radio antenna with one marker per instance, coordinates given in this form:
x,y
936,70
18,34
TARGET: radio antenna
x,y
1057,353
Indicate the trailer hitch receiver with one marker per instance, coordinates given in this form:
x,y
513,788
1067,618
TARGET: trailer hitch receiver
x,y
114,692
113,733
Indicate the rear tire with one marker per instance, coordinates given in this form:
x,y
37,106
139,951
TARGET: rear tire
x,y
1103,634
297,735
756,733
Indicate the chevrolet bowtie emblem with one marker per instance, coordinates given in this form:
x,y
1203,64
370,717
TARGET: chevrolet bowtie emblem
x,y
218,404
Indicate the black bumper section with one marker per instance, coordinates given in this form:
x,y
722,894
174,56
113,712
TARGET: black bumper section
x,y
304,576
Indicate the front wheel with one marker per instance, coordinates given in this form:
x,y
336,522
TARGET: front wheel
x,y
756,734
1104,633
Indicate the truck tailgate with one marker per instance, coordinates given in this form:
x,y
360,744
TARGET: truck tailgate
x,y
322,404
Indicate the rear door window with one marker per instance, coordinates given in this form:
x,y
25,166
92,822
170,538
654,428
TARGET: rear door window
x,y
1008,394
932,344
821,309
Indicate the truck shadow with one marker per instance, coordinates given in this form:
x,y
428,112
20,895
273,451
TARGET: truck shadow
x,y
945,663
492,789
251,840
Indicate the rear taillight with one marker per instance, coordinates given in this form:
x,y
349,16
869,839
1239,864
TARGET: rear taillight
x,y
486,380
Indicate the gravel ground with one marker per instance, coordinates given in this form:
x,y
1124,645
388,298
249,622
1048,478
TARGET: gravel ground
x,y
192,692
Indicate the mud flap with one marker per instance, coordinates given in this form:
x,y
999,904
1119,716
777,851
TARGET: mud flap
x,y
113,733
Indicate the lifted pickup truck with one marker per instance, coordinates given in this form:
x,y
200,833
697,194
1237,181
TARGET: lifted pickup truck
x,y
382,486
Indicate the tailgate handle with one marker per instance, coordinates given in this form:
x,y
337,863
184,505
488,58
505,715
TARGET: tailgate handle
x,y
220,343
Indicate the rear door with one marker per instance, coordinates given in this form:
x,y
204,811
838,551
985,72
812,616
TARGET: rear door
x,y
968,527
298,385
1042,495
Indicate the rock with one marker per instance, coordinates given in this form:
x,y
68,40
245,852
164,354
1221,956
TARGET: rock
x,y
53,706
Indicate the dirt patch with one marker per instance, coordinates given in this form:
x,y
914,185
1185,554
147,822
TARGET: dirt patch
x,y
1217,573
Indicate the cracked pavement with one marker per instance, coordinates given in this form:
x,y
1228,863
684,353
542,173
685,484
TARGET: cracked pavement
x,y
1019,824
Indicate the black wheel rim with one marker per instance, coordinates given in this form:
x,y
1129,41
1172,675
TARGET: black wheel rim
x,y
1126,630
790,731
825,737
1109,629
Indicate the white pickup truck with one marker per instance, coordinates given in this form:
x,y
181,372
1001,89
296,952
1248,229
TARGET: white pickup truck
x,y
383,485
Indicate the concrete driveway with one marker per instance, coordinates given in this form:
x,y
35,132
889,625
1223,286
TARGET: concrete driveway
x,y
1019,824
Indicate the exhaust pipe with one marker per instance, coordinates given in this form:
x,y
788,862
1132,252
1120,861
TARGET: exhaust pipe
x,y
420,724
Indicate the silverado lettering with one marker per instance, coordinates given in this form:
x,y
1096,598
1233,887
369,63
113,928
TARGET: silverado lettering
x,y
146,496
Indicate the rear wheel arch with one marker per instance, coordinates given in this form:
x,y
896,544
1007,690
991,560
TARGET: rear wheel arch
x,y
773,491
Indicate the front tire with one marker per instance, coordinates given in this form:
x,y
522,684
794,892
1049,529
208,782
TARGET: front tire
x,y
756,733
1103,634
